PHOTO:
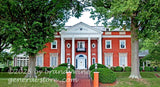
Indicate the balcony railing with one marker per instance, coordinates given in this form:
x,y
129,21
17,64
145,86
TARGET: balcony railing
x,y
80,49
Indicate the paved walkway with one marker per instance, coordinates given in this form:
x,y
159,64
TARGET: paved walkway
x,y
82,79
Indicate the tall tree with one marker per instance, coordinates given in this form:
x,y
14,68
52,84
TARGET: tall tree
x,y
34,23
6,58
153,45
140,16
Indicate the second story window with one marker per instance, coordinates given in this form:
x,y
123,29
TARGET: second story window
x,y
122,44
54,44
108,44
81,44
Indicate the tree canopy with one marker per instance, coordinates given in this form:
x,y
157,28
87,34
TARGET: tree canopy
x,y
140,16
34,23
153,45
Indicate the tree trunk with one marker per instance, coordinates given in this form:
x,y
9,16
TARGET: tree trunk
x,y
135,74
31,67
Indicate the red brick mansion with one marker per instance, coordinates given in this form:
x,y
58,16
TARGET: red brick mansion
x,y
82,45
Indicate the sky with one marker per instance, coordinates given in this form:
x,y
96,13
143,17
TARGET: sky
x,y
84,18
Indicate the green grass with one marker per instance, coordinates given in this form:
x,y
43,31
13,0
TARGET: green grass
x,y
143,74
148,80
27,83
21,75
145,82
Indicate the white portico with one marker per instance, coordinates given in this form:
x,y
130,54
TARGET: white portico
x,y
81,31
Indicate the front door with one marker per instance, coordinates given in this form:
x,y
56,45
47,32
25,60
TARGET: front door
x,y
81,63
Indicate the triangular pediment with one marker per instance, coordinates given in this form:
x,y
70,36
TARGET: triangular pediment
x,y
80,28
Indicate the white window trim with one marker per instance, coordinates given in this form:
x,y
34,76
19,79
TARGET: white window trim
x,y
51,61
94,59
110,54
68,45
94,45
40,54
126,57
56,44
120,44
82,42
110,44
69,60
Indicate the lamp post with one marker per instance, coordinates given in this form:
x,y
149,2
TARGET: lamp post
x,y
68,67
96,67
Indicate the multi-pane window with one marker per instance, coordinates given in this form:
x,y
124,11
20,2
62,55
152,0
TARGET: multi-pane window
x,y
54,44
22,61
122,59
53,61
122,44
108,44
68,60
81,44
108,59
93,60
39,60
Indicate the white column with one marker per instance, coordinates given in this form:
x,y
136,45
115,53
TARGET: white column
x,y
73,52
100,50
62,50
89,52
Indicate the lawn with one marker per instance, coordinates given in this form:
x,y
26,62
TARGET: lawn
x,y
17,80
148,80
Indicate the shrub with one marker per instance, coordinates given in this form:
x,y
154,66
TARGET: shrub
x,y
59,73
158,69
105,75
49,68
66,65
140,68
44,69
118,69
25,68
147,69
16,68
37,68
98,66
151,69
127,69
112,68
5,69
0,69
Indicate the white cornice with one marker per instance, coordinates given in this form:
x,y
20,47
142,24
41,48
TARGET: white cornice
x,y
116,36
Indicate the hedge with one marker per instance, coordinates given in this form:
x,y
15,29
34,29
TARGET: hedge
x,y
5,69
105,75
66,65
118,69
127,69
158,69
98,66
140,68
112,68
59,73
44,69
148,69
25,68
49,68
16,69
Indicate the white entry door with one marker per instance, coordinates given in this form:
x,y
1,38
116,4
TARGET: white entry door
x,y
81,63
